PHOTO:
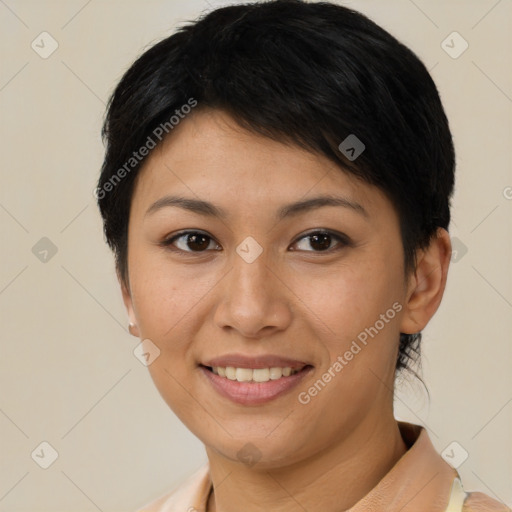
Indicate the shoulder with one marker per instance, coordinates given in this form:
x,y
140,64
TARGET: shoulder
x,y
479,502
190,495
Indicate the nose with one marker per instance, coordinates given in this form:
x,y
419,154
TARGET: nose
x,y
253,300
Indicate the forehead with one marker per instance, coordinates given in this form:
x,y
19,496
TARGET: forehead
x,y
210,157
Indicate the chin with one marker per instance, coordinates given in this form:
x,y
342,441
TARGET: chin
x,y
259,452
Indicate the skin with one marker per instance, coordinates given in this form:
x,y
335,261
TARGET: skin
x,y
294,300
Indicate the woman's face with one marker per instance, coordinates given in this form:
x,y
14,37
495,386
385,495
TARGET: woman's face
x,y
269,277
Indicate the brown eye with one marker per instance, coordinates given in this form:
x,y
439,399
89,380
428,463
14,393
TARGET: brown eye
x,y
321,241
191,241
197,242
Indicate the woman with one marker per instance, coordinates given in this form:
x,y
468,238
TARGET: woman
x,y
276,190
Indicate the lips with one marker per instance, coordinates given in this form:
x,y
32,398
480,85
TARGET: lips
x,y
253,380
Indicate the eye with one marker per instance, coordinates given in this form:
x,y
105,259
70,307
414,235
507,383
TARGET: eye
x,y
198,242
321,241
190,241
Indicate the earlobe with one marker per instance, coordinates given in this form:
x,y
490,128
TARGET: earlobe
x,y
427,284
133,329
127,299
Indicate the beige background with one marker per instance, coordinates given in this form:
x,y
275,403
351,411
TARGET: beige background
x,y
68,374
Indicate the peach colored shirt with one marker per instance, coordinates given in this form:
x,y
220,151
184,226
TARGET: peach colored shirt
x,y
421,481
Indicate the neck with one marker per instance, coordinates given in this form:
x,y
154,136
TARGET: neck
x,y
333,480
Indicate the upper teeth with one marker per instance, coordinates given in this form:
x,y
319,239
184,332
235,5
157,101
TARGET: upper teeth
x,y
256,374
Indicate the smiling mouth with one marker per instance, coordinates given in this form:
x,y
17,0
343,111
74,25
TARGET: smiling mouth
x,y
248,386
255,375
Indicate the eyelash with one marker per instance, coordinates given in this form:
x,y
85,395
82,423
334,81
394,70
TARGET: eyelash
x,y
342,239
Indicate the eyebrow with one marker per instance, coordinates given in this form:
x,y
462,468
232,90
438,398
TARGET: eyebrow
x,y
208,209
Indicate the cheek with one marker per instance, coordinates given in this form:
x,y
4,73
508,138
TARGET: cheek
x,y
356,310
348,298
166,303
166,297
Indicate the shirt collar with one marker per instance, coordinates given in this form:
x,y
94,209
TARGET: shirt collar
x,y
420,481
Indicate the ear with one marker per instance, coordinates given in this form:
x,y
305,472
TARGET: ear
x,y
128,303
427,284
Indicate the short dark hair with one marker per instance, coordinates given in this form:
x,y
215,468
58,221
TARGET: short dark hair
x,y
309,74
